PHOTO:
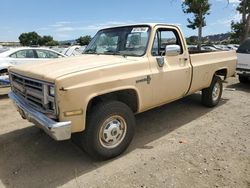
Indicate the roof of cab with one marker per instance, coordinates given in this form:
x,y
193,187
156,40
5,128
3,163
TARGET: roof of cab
x,y
138,24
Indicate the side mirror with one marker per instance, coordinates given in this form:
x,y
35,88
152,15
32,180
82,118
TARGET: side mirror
x,y
172,50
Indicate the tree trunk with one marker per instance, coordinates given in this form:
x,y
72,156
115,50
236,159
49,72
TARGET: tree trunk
x,y
245,21
199,37
244,7
247,28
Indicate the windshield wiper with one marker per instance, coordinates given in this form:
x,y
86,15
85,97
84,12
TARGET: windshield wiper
x,y
112,53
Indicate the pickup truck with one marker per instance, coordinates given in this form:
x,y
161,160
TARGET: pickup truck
x,y
124,71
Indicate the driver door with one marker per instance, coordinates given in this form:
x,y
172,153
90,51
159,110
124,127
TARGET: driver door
x,y
172,80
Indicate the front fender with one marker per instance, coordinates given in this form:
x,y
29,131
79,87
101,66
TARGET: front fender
x,y
69,103
5,66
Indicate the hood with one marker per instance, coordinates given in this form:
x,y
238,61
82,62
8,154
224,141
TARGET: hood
x,y
53,69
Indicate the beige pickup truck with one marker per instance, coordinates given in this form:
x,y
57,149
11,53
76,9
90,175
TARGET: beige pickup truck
x,y
124,71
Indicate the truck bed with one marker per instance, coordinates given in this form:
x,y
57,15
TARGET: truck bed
x,y
205,65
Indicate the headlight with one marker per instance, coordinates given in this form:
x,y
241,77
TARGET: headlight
x,y
52,91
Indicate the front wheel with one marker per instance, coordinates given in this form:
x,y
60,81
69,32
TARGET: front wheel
x,y
110,129
212,95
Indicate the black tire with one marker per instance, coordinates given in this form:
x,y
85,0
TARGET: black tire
x,y
208,99
114,111
243,79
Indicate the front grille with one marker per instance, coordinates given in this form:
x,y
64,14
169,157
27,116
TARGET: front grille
x,y
34,92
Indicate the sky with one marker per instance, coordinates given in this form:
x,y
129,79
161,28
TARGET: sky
x,y
70,19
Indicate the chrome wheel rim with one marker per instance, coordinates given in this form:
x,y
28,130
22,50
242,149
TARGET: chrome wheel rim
x,y
216,92
113,131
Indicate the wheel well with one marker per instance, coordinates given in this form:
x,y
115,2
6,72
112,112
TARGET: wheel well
x,y
3,71
222,72
129,97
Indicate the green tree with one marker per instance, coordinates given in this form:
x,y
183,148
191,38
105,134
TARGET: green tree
x,y
45,40
241,30
200,8
29,39
52,43
84,40
32,38
192,40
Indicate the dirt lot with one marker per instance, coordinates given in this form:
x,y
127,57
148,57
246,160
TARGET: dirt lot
x,y
182,144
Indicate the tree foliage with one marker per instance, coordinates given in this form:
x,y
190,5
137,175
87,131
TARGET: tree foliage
x,y
84,40
199,8
241,29
52,43
33,39
29,39
45,40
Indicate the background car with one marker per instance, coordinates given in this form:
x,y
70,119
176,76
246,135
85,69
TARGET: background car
x,y
243,66
74,50
232,46
18,56
208,48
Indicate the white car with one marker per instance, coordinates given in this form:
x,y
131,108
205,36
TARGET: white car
x,y
74,50
232,46
243,66
208,48
18,56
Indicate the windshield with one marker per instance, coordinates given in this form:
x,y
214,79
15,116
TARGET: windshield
x,y
244,47
127,41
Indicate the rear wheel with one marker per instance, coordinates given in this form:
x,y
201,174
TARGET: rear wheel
x,y
243,79
212,95
110,129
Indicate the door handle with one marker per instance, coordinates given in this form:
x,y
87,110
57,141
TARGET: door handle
x,y
184,59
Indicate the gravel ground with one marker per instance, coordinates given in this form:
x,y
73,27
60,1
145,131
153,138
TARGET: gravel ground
x,y
182,144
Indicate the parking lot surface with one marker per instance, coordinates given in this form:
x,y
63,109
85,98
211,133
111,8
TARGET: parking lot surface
x,y
182,144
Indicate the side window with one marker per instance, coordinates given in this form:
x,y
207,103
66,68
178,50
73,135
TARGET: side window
x,y
13,55
23,54
52,54
163,38
46,54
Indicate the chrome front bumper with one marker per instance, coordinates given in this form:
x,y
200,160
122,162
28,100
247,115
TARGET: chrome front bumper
x,y
57,130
